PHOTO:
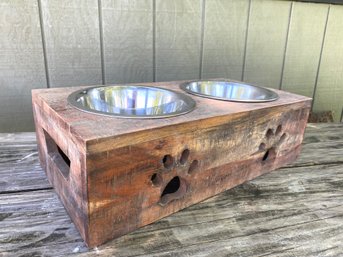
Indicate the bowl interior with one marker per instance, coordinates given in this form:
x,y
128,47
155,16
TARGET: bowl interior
x,y
132,101
230,91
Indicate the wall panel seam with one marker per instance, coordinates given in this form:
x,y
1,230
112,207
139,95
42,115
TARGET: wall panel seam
x,y
286,45
202,35
45,57
101,40
320,58
154,40
246,41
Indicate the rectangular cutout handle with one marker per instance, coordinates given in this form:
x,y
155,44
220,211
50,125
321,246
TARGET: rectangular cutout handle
x,y
59,157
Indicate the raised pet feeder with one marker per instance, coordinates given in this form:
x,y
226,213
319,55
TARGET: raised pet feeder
x,y
115,175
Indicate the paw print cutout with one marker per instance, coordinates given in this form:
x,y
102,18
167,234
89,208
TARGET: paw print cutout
x,y
272,142
171,177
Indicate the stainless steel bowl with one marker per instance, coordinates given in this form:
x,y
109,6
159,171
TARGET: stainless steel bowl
x,y
132,101
229,91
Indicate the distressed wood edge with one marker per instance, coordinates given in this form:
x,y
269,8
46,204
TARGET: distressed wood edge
x,y
104,144
61,183
38,101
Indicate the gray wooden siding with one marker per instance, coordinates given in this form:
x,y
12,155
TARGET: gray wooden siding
x,y
295,46
178,38
305,39
266,42
21,62
225,30
329,90
128,40
71,30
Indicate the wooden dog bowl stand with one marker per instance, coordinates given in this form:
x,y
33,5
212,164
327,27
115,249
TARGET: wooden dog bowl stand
x,y
115,175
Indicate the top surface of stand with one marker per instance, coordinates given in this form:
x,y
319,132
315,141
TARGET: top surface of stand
x,y
90,127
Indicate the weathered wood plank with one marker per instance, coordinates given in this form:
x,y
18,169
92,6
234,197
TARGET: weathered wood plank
x,y
267,33
36,222
293,211
21,63
306,34
72,42
178,36
329,92
128,41
323,143
19,166
224,38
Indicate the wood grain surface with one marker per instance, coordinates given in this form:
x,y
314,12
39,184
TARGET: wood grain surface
x,y
88,127
295,211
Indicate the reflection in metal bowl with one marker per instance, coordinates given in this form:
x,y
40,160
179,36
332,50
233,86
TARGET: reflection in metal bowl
x,y
229,91
132,101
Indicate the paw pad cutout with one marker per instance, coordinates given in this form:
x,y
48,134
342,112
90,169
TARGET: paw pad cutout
x,y
271,142
176,187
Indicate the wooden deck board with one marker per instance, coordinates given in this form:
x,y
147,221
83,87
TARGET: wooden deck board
x,y
294,211
19,166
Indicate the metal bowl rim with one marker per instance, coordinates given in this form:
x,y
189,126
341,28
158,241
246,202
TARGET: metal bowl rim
x,y
275,96
189,101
